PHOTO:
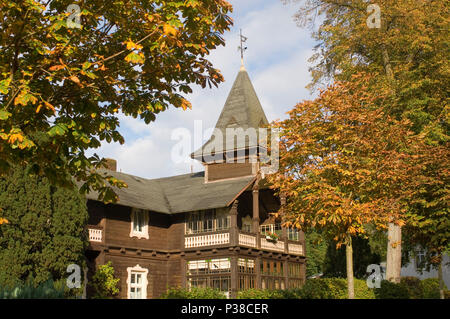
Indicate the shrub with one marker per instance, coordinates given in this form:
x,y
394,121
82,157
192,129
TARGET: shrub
x,y
430,288
362,291
324,288
390,290
193,293
446,294
335,288
269,294
414,287
28,290
294,293
104,283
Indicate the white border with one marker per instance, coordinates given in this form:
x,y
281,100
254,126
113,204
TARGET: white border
x,y
144,233
144,271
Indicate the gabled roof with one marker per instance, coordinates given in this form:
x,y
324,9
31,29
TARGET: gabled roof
x,y
242,109
177,194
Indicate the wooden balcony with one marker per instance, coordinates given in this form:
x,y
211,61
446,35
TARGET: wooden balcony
x,y
95,234
206,240
244,239
247,239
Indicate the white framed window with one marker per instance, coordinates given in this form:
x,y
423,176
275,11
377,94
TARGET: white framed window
x,y
139,223
420,258
205,221
137,282
293,234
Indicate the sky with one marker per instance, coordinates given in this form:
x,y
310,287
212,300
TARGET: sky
x,y
276,60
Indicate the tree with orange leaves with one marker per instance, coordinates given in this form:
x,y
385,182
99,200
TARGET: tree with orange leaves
x,y
345,164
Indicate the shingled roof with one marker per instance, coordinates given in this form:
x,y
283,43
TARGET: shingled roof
x,y
176,194
242,109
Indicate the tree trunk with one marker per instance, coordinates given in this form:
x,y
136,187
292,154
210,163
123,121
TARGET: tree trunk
x,y
441,280
394,249
349,255
394,253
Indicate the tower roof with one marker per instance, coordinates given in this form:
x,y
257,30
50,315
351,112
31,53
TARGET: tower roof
x,y
242,109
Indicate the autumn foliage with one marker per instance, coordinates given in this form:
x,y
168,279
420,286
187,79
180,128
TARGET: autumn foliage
x,y
344,163
64,83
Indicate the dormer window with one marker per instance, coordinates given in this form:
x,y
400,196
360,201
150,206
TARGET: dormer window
x,y
139,223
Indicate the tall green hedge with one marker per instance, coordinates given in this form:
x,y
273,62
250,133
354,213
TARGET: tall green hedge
x,y
45,233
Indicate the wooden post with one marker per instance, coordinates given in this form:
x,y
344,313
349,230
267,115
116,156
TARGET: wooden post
x,y
234,276
183,273
258,272
286,274
301,239
284,237
303,271
255,218
234,231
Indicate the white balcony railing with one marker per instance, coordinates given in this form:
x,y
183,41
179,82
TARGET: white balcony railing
x,y
295,249
95,234
206,240
247,240
278,246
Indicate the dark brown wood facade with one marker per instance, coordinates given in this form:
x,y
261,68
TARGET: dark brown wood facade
x,y
184,247
169,253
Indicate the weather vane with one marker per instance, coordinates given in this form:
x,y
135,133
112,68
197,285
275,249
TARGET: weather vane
x,y
241,47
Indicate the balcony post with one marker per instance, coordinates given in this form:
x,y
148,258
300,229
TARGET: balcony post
x,y
286,273
255,192
184,273
258,272
301,239
234,278
234,232
284,237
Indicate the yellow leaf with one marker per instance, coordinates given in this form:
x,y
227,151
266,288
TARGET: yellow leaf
x,y
49,106
131,45
169,30
75,79
56,67
185,104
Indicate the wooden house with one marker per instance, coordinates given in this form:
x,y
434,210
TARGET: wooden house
x,y
204,229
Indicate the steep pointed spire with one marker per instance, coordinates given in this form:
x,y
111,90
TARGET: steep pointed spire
x,y
242,105
242,109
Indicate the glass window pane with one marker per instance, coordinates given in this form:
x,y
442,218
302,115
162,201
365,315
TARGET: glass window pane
x,y
138,293
139,279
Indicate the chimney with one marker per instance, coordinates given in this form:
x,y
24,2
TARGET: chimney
x,y
111,164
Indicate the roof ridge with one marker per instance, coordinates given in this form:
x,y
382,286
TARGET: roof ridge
x,y
166,199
